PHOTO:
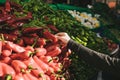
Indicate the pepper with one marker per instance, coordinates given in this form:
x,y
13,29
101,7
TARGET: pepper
x,y
52,27
1,70
24,55
1,42
31,30
6,53
55,66
15,32
50,36
20,42
9,37
30,48
55,52
28,40
5,18
53,77
7,6
40,51
47,77
16,6
32,35
18,65
66,63
65,53
21,19
51,46
45,67
16,48
31,77
19,76
46,59
26,77
6,60
29,15
3,12
16,25
7,70
33,66
41,42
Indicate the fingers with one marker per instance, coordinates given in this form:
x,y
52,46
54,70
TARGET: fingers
x,y
63,37
61,34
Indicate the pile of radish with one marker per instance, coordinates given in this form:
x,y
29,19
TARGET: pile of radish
x,y
32,53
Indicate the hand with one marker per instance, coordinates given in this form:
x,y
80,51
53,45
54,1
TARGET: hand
x,y
64,37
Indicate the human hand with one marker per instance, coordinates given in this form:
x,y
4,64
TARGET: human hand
x,y
63,37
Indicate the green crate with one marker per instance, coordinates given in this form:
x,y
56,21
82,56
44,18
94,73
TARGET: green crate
x,y
2,1
69,7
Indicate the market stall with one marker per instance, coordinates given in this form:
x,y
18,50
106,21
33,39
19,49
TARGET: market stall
x,y
30,50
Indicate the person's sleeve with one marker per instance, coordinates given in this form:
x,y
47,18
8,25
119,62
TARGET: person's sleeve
x,y
96,59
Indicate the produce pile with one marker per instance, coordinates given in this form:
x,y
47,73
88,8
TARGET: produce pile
x,y
31,26
29,53
86,19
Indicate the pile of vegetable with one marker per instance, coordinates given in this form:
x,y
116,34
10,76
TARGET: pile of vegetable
x,y
32,25
86,19
29,53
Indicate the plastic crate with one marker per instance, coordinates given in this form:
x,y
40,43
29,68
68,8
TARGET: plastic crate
x,y
2,1
69,7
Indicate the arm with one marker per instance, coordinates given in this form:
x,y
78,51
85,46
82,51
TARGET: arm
x,y
96,59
